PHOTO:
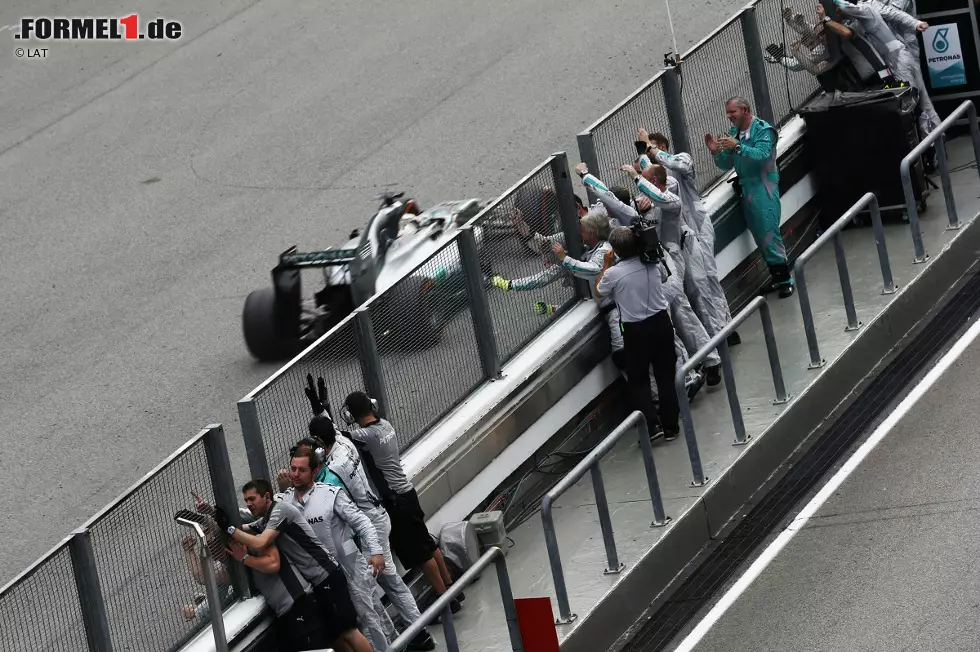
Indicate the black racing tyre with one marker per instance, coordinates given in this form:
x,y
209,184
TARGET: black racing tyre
x,y
420,320
262,337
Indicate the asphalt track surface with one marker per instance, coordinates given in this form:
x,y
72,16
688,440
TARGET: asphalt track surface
x,y
889,561
147,187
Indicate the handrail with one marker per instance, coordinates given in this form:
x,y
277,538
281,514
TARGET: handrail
x,y
210,585
441,606
591,464
720,342
833,233
905,167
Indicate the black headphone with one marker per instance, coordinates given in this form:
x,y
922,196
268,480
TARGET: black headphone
x,y
319,449
346,415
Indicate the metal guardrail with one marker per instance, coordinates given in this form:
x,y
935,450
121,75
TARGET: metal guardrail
x,y
833,233
590,464
130,546
441,607
905,168
720,342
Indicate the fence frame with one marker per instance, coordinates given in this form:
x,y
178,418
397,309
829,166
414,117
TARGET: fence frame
x,y
905,171
833,233
441,607
720,342
590,464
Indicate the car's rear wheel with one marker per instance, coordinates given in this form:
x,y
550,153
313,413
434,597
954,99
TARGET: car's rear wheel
x,y
264,336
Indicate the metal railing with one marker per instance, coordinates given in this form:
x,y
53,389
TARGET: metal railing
x,y
442,325
590,464
935,138
720,342
441,607
133,577
833,233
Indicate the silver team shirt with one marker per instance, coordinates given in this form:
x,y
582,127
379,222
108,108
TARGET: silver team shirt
x,y
336,519
346,464
381,443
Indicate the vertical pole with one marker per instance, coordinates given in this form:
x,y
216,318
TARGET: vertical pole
x,y
605,522
449,628
223,486
845,285
954,220
906,175
367,354
808,328
565,614
730,387
676,118
248,416
653,483
476,291
569,215
507,598
586,151
757,66
214,600
89,589
777,369
886,267
688,419
971,111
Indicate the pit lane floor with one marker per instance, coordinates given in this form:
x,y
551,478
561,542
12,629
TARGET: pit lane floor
x,y
480,625
147,187
889,560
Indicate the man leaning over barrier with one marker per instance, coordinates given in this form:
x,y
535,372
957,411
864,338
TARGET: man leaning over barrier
x,y
701,280
282,525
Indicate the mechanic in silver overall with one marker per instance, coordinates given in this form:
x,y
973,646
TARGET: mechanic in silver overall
x,y
281,524
636,287
662,190
340,463
411,542
335,519
701,280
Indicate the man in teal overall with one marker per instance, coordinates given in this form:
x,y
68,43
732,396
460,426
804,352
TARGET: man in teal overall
x,y
750,148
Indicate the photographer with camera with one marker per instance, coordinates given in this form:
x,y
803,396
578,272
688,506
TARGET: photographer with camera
x,y
635,283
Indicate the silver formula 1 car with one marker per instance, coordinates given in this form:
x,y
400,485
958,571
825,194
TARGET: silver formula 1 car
x,y
391,253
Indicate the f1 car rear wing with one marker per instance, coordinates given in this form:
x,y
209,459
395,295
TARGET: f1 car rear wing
x,y
293,259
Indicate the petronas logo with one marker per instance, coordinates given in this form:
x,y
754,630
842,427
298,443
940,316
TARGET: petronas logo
x,y
939,42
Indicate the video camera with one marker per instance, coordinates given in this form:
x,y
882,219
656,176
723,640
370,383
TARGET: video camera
x,y
651,250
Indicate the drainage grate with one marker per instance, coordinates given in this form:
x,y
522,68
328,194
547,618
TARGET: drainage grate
x,y
722,563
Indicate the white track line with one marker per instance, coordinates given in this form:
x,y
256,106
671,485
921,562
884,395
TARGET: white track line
x,y
774,548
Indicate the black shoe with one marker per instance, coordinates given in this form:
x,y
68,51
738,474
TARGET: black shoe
x,y
423,641
693,386
734,339
787,290
713,375
455,606
656,432
461,596
671,435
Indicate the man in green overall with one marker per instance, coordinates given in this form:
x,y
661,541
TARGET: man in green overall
x,y
750,148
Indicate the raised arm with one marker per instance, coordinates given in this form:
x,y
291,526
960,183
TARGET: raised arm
x,y
663,198
895,17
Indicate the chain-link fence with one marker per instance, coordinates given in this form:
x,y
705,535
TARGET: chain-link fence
x,y
282,408
41,610
614,135
538,290
426,343
788,89
131,576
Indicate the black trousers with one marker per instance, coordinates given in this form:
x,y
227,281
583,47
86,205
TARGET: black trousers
x,y
650,343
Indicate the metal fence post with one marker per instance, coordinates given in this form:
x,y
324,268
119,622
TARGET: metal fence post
x,y
653,483
507,597
225,496
732,390
586,152
913,214
565,614
676,118
886,268
782,396
687,419
367,355
954,220
808,328
757,66
248,417
569,215
89,592
605,522
845,285
476,290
